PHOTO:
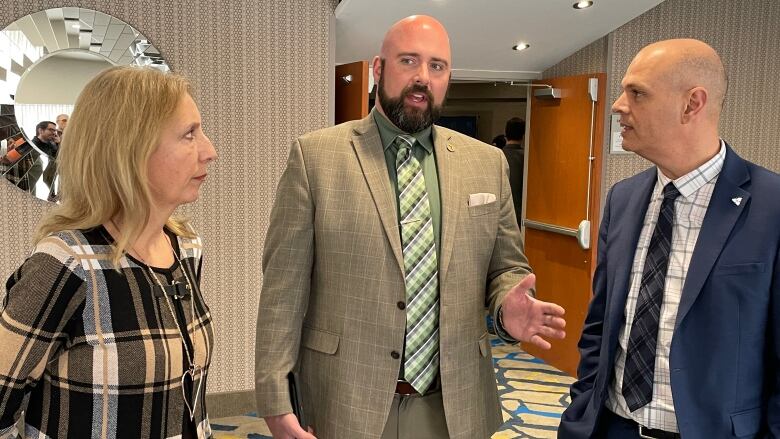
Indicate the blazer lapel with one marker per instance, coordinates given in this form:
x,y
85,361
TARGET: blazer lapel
x,y
447,166
719,220
370,154
627,225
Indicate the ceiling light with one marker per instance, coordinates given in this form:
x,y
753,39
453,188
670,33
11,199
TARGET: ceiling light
x,y
521,46
582,4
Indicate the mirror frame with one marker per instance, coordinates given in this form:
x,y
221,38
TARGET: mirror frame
x,y
37,36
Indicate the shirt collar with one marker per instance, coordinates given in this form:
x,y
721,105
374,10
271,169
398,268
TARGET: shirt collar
x,y
388,132
691,182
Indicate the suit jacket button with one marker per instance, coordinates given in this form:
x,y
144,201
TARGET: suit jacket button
x,y
395,355
401,305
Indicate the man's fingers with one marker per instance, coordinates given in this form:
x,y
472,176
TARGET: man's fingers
x,y
549,332
287,426
538,341
553,309
554,322
300,433
305,435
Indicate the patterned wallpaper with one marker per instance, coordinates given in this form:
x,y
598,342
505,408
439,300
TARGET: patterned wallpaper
x,y
262,75
745,35
590,59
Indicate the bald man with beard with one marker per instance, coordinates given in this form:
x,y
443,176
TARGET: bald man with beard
x,y
682,338
388,238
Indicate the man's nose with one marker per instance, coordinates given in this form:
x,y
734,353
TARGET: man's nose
x,y
423,75
619,105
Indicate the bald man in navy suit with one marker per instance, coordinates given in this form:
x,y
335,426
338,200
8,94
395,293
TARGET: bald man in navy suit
x,y
682,338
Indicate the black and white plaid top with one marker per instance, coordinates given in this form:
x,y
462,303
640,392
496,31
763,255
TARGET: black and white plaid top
x,y
89,351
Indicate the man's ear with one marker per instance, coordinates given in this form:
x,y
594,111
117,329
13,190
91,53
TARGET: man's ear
x,y
376,69
696,104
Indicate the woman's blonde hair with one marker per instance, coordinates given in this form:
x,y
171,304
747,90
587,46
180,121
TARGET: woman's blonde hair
x,y
115,126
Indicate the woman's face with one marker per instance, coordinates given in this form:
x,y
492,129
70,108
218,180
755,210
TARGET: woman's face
x,y
177,167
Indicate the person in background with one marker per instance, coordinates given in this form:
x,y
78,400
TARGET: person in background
x,y
514,150
389,237
45,134
103,330
682,338
499,141
47,140
62,122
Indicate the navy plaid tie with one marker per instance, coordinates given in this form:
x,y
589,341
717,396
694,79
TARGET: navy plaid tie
x,y
642,342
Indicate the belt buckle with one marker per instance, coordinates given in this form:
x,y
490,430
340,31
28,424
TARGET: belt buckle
x,y
408,392
645,433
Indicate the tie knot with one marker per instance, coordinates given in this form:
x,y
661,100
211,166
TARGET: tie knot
x,y
670,191
404,143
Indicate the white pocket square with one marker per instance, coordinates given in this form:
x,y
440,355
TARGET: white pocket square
x,y
481,198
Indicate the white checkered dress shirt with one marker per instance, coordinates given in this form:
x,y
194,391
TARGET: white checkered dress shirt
x,y
696,190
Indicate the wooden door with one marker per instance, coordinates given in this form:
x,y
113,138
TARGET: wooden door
x,y
351,91
563,181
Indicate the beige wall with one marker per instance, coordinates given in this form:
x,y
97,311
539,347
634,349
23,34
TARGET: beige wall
x,y
745,33
262,74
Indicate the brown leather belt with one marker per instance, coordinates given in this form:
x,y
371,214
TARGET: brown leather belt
x,y
404,388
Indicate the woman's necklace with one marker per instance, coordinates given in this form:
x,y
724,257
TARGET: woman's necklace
x,y
194,371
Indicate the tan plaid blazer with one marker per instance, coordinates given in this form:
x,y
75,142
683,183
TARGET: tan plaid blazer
x,y
333,278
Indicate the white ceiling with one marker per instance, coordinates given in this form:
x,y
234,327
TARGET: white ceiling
x,y
482,32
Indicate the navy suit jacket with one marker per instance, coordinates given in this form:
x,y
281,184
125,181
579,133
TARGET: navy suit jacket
x,y
725,351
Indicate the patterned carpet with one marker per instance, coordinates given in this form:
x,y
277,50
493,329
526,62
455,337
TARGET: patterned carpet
x,y
533,395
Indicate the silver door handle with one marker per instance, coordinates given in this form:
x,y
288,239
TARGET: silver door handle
x,y
582,233
550,228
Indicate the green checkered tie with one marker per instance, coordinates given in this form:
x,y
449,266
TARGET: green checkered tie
x,y
421,358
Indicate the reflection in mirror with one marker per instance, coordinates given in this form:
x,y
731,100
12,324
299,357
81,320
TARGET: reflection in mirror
x,y
46,58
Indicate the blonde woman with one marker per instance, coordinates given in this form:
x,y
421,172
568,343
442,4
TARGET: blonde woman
x,y
104,327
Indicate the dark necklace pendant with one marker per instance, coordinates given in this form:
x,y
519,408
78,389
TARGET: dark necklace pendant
x,y
178,290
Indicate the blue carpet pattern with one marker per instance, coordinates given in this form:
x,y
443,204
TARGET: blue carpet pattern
x,y
533,395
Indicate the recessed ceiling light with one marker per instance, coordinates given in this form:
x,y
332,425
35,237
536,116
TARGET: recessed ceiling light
x,y
521,46
583,4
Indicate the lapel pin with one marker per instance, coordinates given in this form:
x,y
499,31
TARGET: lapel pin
x,y
737,201
449,147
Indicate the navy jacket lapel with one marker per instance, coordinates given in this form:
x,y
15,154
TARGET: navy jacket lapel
x,y
625,227
719,220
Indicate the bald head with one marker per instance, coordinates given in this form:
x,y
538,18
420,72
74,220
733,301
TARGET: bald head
x,y
415,27
413,72
670,107
686,64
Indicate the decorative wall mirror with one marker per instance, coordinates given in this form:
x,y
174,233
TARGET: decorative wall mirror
x,y
46,59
